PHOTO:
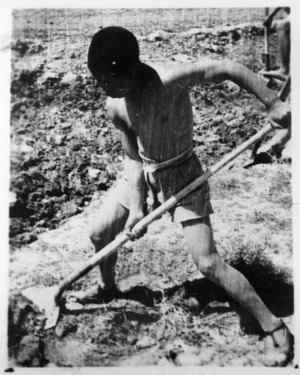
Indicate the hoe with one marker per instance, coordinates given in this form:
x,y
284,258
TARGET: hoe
x,y
49,299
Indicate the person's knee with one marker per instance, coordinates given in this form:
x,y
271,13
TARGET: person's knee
x,y
104,232
95,235
208,265
101,234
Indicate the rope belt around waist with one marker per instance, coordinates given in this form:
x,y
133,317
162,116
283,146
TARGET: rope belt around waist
x,y
150,165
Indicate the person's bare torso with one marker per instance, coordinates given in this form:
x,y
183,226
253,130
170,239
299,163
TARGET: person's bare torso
x,y
160,115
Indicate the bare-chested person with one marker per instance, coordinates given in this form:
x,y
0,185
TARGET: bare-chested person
x,y
152,110
284,43
279,147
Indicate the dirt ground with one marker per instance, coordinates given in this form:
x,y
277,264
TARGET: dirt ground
x,y
65,158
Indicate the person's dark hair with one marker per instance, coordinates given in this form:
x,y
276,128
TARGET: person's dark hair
x,y
113,50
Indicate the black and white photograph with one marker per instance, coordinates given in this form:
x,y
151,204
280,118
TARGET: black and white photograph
x,y
150,197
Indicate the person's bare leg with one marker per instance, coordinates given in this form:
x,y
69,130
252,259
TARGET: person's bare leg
x,y
109,222
198,234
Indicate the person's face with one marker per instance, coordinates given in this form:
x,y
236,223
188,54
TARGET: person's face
x,y
116,85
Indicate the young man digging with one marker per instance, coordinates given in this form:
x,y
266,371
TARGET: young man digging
x,y
152,110
284,44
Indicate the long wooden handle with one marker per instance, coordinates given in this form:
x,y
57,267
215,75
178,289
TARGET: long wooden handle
x,y
266,37
158,212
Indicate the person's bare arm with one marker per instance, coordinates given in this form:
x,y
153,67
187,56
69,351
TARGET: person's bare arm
x,y
206,71
133,170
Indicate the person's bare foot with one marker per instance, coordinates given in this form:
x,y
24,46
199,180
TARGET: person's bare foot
x,y
279,347
261,158
95,295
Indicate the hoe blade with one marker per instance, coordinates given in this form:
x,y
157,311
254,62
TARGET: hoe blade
x,y
44,299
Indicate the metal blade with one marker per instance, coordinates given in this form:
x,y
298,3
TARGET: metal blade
x,y
44,299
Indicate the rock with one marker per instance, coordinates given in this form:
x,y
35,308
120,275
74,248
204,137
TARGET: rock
x,y
231,85
59,139
145,342
93,173
15,227
69,78
70,208
141,38
159,35
31,352
193,304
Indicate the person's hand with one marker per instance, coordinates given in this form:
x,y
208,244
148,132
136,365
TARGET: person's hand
x,y
134,218
280,114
